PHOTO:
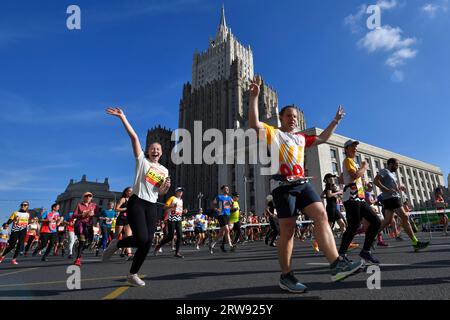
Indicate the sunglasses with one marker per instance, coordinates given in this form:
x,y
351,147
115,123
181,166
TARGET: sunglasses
x,y
88,196
24,205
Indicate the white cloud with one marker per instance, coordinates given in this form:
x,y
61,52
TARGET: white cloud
x,y
432,9
353,20
398,57
389,39
385,38
386,4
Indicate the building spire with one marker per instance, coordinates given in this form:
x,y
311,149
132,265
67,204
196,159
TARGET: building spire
x,y
223,22
222,31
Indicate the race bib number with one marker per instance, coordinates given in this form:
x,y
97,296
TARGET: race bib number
x,y
60,229
23,222
155,177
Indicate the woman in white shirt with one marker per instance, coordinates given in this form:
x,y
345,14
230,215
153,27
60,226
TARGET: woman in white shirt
x,y
151,179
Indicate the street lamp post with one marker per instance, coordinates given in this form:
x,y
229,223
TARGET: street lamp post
x,y
200,196
245,194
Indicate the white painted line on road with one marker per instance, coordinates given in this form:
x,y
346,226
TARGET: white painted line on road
x,y
19,271
58,282
381,264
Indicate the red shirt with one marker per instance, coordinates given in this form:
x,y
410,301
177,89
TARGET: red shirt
x,y
92,207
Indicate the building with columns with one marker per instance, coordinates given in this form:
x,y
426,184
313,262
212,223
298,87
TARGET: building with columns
x,y
419,178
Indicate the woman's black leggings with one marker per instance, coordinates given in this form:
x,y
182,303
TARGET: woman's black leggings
x,y
173,226
273,233
237,231
142,217
355,211
45,238
16,240
29,242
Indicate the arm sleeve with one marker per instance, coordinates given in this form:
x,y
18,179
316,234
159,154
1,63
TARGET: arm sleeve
x,y
349,165
12,217
309,140
270,132
169,201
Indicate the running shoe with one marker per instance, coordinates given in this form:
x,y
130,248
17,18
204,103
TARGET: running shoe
x,y
222,247
44,258
156,251
233,248
14,261
353,246
289,282
420,245
315,246
369,258
382,244
345,268
77,262
130,257
112,248
173,249
134,280
2,259
69,256
273,245
179,255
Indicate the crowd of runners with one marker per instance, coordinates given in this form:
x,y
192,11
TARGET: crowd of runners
x,y
138,224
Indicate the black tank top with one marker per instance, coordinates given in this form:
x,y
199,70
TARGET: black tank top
x,y
123,206
331,201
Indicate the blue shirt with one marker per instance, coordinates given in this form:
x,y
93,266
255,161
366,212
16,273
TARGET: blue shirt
x,y
224,203
110,214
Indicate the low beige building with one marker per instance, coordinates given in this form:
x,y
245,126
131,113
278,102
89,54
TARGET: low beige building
x,y
419,178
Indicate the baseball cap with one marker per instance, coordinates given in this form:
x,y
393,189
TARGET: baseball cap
x,y
179,189
88,194
349,143
235,194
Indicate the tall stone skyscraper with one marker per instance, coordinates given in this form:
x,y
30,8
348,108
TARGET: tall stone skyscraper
x,y
218,97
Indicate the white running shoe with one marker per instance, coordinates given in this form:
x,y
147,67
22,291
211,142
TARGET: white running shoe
x,y
109,252
197,247
134,280
160,250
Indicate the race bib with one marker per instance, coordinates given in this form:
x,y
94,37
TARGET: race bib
x,y
155,177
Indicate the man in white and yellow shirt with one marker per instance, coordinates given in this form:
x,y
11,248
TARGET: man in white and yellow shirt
x,y
356,206
293,193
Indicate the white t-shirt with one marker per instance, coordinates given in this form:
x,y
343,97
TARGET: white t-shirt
x,y
149,178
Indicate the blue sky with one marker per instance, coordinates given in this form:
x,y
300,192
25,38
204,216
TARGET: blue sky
x,y
56,83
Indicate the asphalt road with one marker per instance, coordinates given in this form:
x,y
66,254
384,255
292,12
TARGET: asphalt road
x,y
251,272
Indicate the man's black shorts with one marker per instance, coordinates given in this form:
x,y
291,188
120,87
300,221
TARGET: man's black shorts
x,y
392,203
223,220
198,230
290,199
